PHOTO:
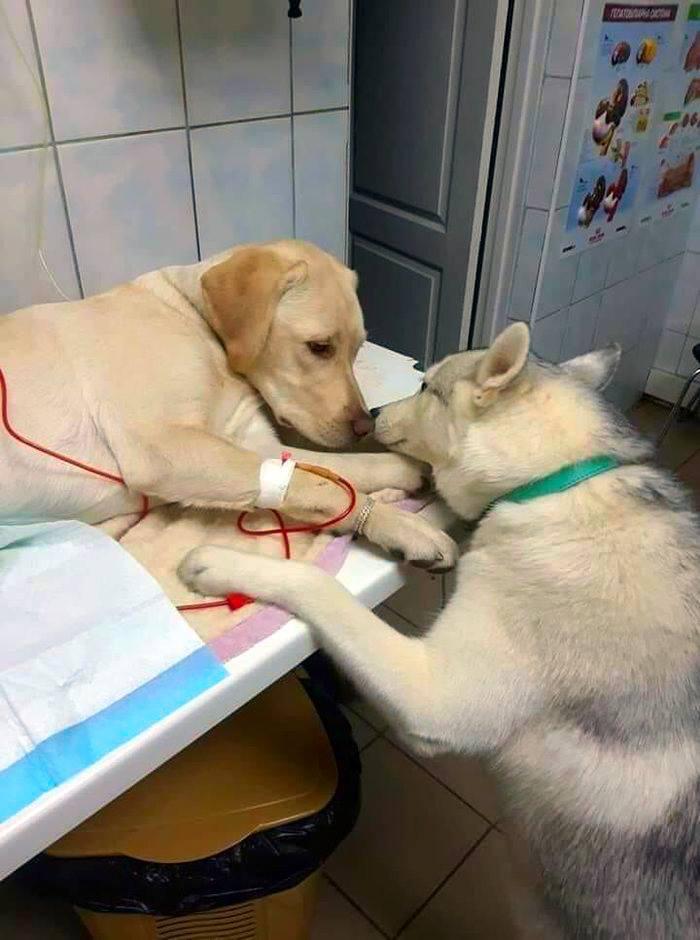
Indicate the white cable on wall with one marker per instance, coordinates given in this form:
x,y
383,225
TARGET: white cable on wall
x,y
45,145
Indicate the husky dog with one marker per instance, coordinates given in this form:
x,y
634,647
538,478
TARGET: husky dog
x,y
569,652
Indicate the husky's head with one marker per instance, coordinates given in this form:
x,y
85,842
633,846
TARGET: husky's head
x,y
490,420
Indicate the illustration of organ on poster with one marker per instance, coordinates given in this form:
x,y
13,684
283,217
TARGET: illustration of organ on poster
x,y
674,178
634,46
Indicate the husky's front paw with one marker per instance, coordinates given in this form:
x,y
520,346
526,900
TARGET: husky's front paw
x,y
389,495
411,538
396,472
214,571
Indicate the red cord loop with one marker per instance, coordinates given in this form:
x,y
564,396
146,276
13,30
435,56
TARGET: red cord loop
x,y
233,601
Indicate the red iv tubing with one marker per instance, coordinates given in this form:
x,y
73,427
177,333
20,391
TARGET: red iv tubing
x,y
232,601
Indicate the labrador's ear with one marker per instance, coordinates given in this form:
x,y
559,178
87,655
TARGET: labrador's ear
x,y
502,363
241,295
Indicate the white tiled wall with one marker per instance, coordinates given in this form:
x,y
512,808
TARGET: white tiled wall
x,y
621,292
674,360
176,128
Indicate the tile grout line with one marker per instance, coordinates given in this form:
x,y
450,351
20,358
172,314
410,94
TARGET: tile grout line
x,y
434,777
51,143
271,117
90,139
291,127
366,720
682,464
188,133
414,626
444,881
357,907
21,148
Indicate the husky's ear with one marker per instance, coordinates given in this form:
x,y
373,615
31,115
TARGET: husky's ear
x,y
595,368
502,363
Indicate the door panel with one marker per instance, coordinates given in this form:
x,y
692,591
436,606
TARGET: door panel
x,y
401,297
402,154
421,79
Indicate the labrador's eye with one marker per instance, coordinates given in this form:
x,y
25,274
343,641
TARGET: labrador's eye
x,y
323,350
423,386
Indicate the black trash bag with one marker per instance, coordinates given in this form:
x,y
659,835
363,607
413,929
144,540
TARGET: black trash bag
x,y
263,863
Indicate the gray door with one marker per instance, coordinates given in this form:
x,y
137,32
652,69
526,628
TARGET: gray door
x,y
421,77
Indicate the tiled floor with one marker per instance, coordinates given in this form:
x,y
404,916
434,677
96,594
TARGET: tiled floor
x,y
427,859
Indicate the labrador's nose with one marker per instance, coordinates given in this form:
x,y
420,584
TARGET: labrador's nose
x,y
362,425
375,412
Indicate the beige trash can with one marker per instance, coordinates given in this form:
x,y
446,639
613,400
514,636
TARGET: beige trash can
x,y
224,841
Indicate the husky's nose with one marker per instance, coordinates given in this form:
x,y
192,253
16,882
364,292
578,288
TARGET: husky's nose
x,y
375,412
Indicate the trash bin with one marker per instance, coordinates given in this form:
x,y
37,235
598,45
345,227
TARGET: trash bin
x,y
224,842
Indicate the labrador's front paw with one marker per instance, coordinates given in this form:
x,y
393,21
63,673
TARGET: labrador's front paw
x,y
411,538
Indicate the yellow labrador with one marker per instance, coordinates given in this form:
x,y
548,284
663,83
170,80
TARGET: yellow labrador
x,y
157,381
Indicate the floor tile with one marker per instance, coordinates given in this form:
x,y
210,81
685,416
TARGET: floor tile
x,y
469,779
448,586
410,835
398,621
689,473
420,600
369,713
26,917
362,731
682,440
337,919
471,903
648,416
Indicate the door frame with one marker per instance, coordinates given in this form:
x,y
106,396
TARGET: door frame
x,y
522,85
479,244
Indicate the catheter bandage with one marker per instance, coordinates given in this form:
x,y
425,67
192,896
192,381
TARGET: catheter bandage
x,y
275,477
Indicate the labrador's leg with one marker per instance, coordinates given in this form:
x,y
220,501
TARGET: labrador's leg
x,y
195,467
367,472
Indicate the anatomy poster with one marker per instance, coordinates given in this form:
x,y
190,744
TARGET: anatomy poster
x,y
632,52
673,181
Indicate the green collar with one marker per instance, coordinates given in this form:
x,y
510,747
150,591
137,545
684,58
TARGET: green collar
x,y
559,481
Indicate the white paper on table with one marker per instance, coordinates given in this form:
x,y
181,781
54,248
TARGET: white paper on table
x,y
384,375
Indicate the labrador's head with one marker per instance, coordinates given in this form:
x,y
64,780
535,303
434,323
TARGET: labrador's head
x,y
289,318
